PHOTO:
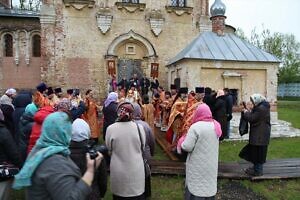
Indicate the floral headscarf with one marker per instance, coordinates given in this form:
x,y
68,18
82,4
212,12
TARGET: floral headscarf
x,y
124,112
55,138
63,105
257,99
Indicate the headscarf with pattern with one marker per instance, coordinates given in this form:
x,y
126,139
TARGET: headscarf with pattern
x,y
55,138
257,99
124,112
63,105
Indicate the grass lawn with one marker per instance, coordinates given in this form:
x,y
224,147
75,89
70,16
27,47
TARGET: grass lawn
x,y
290,111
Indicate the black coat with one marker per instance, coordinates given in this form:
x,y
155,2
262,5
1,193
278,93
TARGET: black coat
x,y
110,116
25,126
8,149
78,155
260,125
219,114
229,105
20,103
8,111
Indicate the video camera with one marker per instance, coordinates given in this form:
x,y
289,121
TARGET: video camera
x,y
94,149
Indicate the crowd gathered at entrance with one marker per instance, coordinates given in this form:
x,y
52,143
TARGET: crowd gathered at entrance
x,y
52,145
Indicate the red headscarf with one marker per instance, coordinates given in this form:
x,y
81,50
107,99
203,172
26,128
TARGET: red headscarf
x,y
203,113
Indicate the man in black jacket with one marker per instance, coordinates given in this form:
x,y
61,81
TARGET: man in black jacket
x,y
229,105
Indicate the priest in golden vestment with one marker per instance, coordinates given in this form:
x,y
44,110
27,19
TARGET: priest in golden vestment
x,y
91,115
39,98
148,111
194,100
176,117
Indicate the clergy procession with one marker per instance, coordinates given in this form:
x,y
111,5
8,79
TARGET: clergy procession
x,y
63,144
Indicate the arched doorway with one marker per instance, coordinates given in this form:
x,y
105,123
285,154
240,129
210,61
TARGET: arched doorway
x,y
133,54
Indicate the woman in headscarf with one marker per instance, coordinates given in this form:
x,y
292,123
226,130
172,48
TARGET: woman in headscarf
x,y
25,128
219,112
202,145
150,141
127,176
110,111
48,172
79,145
8,108
91,115
9,154
259,137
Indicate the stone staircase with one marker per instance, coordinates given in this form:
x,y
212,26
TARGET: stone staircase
x,y
279,128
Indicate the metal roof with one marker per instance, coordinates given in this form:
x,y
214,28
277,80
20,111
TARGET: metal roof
x,y
18,13
210,46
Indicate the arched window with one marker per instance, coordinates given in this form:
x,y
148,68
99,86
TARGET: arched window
x,y
36,46
8,45
178,3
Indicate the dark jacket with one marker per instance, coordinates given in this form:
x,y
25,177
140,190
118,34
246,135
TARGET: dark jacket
x,y
210,101
219,114
78,155
110,116
260,125
229,104
8,149
20,103
8,117
77,112
57,178
25,127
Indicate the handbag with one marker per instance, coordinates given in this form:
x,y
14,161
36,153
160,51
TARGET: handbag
x,y
8,171
243,126
145,161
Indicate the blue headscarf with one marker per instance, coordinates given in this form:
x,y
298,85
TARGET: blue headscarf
x,y
31,109
55,138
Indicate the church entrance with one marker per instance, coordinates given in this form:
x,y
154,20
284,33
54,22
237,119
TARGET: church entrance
x,y
128,67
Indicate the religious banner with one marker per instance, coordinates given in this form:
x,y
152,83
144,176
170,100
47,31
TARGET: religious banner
x,y
154,70
111,67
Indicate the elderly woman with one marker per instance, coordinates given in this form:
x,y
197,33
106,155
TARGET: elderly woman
x,y
110,111
259,137
127,175
202,145
48,172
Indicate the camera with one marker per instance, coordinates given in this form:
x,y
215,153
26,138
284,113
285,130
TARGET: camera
x,y
94,149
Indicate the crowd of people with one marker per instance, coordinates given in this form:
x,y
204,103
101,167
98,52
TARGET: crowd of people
x,y
50,136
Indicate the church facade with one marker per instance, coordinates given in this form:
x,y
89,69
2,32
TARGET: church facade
x,y
84,42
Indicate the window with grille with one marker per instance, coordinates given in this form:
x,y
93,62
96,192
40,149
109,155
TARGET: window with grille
x,y
130,1
8,45
178,3
36,46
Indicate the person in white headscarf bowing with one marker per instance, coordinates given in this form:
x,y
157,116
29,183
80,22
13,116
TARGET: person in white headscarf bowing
x,y
259,137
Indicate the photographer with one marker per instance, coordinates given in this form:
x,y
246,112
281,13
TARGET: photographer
x,y
8,155
79,145
48,172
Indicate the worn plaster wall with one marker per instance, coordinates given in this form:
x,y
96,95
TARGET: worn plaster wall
x,y
75,49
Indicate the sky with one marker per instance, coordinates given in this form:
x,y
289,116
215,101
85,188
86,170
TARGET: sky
x,y
277,15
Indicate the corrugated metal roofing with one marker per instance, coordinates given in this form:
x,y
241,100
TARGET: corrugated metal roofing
x,y
210,46
19,13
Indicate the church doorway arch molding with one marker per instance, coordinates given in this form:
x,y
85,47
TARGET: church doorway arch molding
x,y
131,35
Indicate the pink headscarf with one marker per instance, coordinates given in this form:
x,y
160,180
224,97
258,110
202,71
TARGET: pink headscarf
x,y
220,93
203,113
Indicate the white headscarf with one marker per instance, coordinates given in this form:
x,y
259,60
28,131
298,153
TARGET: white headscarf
x,y
257,99
80,130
